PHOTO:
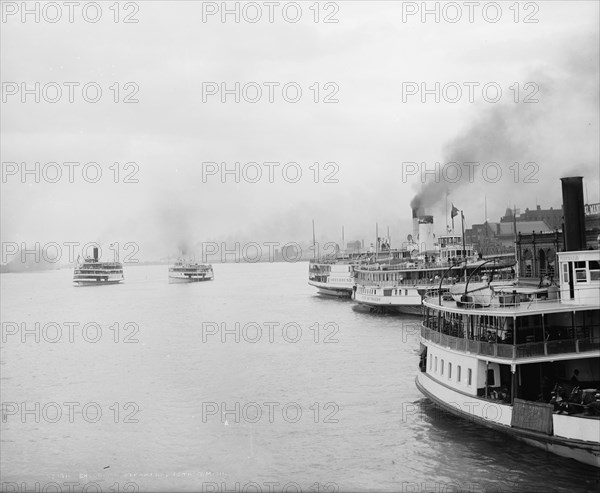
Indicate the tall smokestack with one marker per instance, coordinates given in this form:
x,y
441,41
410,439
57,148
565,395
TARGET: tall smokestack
x,y
574,217
415,225
426,238
95,254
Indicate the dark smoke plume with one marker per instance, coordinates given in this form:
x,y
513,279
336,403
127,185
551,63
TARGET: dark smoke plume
x,y
558,134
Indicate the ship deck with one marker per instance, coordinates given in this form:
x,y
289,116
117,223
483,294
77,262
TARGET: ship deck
x,y
523,308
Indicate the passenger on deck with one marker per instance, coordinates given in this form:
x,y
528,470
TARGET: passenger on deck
x,y
559,403
574,379
554,400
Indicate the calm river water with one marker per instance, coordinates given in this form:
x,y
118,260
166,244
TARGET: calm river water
x,y
248,383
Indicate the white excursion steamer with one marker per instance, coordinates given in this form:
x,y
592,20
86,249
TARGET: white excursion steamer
x,y
92,272
186,272
333,277
399,286
522,360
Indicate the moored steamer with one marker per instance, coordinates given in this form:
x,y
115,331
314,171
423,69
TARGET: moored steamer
x,y
334,275
399,287
523,360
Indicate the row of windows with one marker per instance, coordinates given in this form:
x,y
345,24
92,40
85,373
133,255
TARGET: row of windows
x,y
398,292
433,365
87,272
340,279
381,276
457,253
582,268
386,292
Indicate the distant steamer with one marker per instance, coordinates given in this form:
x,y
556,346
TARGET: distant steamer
x,y
92,272
186,271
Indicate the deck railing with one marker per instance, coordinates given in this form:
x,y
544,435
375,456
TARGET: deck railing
x,y
498,302
405,284
509,351
433,283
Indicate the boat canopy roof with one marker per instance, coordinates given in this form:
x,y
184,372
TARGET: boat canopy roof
x,y
519,290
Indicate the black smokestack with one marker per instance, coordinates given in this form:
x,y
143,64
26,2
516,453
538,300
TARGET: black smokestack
x,y
95,254
415,225
574,218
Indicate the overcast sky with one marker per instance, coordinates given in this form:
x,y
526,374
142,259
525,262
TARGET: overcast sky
x,y
366,57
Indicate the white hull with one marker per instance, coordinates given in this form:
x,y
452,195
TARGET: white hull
x,y
405,299
96,282
330,289
187,272
390,309
179,279
576,443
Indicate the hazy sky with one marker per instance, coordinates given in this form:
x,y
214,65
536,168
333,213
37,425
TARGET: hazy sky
x,y
366,57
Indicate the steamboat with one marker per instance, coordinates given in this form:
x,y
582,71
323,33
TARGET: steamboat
x,y
183,271
92,272
398,285
523,360
335,275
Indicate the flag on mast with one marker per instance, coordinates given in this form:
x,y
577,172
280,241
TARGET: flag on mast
x,y
453,213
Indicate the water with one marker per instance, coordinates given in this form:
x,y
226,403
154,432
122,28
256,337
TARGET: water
x,y
354,419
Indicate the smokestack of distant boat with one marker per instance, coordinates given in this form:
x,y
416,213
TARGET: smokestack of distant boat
x,y
574,214
96,258
415,227
426,237
422,233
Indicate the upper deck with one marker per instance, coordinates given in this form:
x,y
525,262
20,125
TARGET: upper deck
x,y
540,330
507,306
531,323
578,290
98,266
340,258
190,268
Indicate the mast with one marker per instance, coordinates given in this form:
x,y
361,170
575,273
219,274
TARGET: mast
x,y
314,242
447,210
389,246
485,208
116,252
517,266
462,223
486,225
376,240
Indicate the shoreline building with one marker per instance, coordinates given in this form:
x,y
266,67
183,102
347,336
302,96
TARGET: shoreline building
x,y
537,234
